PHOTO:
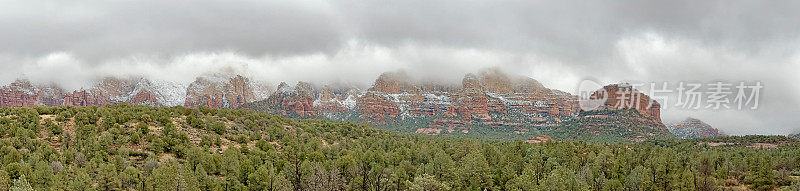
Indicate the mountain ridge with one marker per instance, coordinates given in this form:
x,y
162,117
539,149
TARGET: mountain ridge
x,y
488,101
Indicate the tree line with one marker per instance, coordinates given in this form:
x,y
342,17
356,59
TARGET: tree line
x,y
131,147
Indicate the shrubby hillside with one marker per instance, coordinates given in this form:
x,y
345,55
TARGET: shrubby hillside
x,y
129,147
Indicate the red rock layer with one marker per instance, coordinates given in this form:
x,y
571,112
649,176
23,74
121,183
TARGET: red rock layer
x,y
375,106
16,98
144,98
86,98
227,93
22,93
623,96
335,100
693,128
490,96
297,100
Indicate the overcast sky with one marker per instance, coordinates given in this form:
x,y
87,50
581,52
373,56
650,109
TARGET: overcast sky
x,y
558,43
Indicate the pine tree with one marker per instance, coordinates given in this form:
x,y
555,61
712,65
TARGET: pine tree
x,y
21,184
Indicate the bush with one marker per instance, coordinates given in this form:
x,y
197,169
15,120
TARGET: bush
x,y
216,126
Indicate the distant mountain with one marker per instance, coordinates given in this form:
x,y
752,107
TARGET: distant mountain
x,y
692,128
489,103
217,91
223,91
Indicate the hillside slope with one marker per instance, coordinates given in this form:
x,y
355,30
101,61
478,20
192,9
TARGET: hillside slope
x,y
131,147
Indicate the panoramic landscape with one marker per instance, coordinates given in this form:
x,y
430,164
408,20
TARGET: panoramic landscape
x,y
410,95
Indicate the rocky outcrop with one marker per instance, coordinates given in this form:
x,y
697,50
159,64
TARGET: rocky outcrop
x,y
87,98
107,91
494,80
51,95
307,100
20,93
394,83
692,128
216,91
335,100
395,94
133,90
487,98
294,100
490,98
220,91
610,124
624,96
492,91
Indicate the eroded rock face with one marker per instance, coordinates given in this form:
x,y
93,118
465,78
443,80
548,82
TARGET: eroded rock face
x,y
216,91
693,128
107,91
394,83
86,98
131,90
51,95
220,91
294,100
494,80
19,94
492,91
624,96
489,97
332,100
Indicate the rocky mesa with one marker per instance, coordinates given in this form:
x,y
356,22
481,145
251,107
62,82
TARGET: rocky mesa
x,y
487,101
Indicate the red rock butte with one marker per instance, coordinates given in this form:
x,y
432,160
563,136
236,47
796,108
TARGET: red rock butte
x,y
623,96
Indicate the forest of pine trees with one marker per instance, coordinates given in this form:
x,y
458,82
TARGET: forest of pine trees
x,y
128,147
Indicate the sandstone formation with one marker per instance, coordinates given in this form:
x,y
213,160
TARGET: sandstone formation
x,y
107,91
488,98
19,94
624,96
220,91
298,99
693,128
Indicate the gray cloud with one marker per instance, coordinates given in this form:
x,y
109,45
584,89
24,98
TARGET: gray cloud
x,y
556,42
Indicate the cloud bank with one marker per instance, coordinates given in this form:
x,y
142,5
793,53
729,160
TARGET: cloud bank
x,y
556,42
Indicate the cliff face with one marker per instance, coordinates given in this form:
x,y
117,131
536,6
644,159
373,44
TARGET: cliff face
x,y
294,100
138,91
623,96
19,94
693,128
107,91
86,98
221,91
487,98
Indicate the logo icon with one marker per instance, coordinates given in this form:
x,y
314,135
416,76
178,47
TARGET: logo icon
x,y
591,95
